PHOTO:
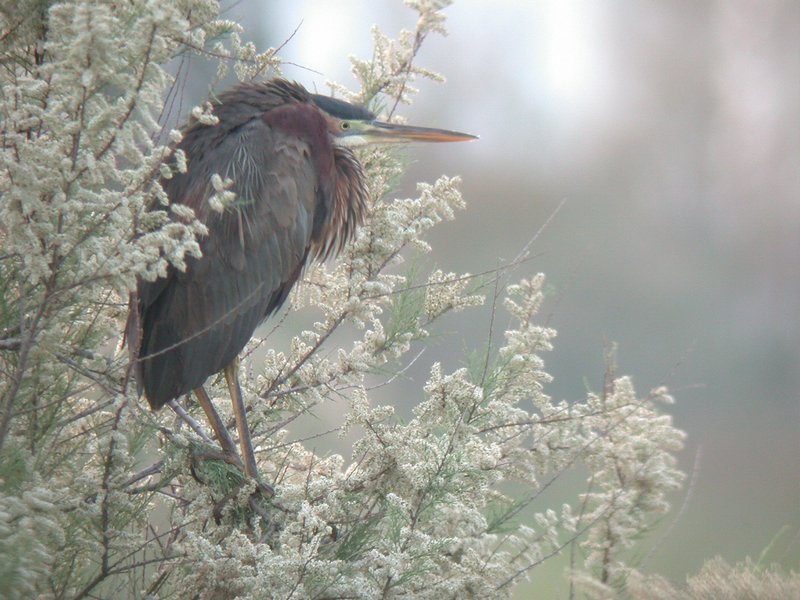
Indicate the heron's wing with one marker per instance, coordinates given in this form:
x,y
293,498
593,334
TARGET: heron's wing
x,y
196,322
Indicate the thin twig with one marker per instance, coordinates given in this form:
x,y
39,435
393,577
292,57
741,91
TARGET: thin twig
x,y
173,404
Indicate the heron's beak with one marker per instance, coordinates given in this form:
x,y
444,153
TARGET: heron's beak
x,y
387,133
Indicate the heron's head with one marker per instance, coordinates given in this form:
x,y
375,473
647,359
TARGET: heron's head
x,y
352,125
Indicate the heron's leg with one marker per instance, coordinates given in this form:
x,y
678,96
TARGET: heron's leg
x,y
232,378
220,431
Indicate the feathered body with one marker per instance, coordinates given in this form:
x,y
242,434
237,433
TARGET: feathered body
x,y
299,196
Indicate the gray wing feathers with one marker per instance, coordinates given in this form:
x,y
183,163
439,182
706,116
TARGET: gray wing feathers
x,y
198,322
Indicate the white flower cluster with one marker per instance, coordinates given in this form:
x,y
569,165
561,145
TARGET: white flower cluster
x,y
223,196
633,466
82,216
392,69
419,510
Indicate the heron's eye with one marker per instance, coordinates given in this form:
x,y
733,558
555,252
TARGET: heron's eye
x,y
344,125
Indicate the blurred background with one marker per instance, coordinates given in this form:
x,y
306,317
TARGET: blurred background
x,y
671,133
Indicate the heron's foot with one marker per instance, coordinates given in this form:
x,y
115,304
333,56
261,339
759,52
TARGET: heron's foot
x,y
265,490
201,454
204,456
206,453
224,474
